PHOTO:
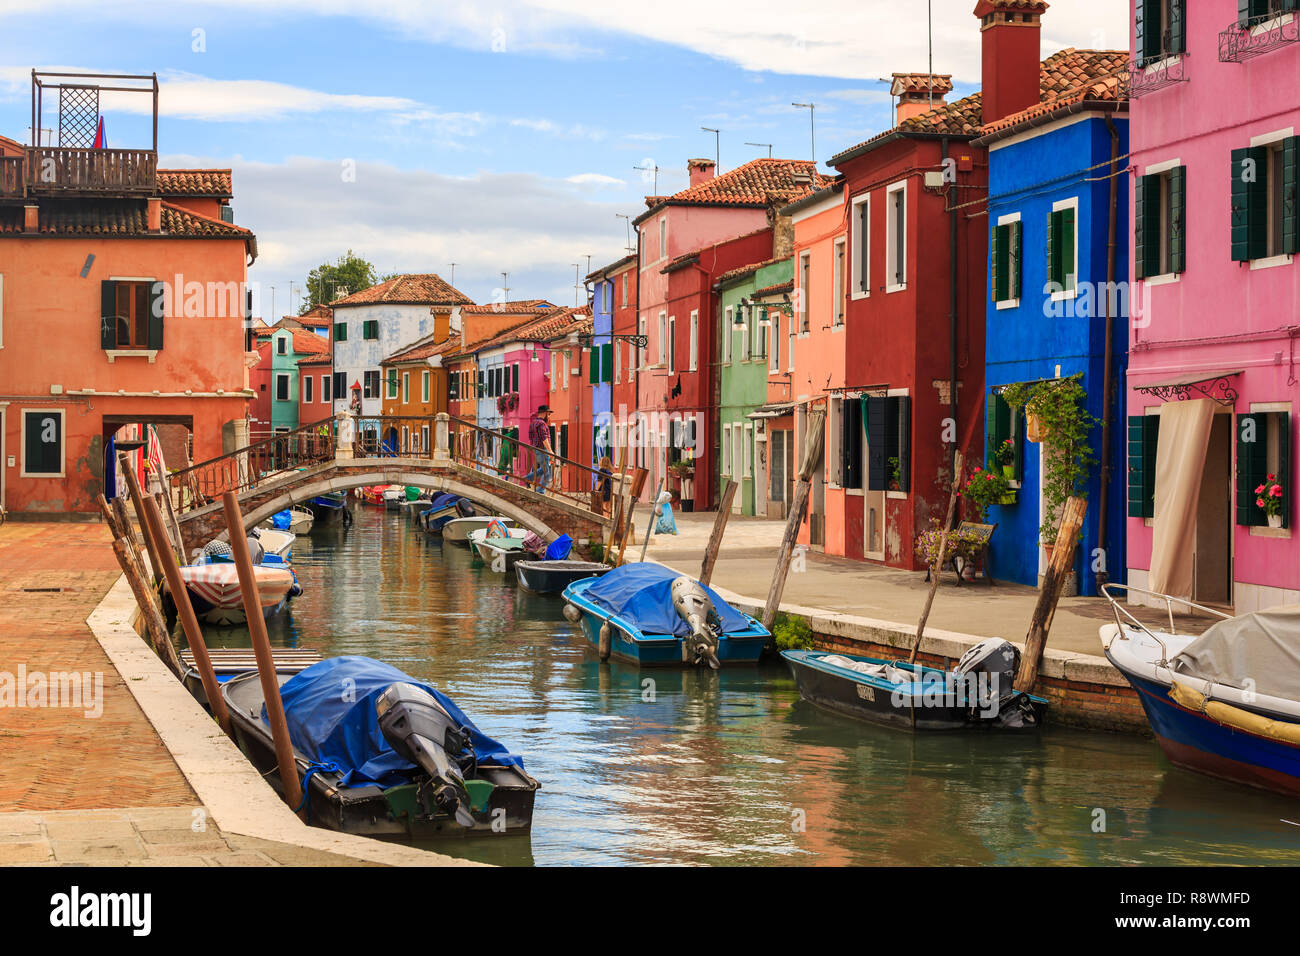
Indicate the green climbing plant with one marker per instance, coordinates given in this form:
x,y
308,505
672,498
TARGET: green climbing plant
x,y
1066,427
792,633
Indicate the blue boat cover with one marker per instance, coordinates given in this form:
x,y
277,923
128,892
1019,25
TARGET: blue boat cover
x,y
281,519
330,710
641,593
441,500
559,549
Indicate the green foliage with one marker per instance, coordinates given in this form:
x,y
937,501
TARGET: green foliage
x,y
984,488
326,282
792,633
1067,455
597,550
1002,454
895,472
966,543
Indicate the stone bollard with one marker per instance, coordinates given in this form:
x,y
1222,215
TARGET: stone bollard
x,y
442,439
346,431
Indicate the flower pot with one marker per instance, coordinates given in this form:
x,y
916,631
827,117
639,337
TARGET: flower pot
x,y
1035,431
1275,521
1008,499
1009,472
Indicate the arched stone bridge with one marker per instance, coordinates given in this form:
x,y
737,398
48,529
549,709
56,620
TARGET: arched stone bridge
x,y
546,515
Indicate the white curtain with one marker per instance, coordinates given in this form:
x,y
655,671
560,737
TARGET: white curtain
x,y
1180,459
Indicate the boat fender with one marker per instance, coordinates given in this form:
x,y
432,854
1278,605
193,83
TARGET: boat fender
x,y
604,641
1234,717
572,614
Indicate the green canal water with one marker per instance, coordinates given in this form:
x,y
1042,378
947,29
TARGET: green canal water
x,y
732,767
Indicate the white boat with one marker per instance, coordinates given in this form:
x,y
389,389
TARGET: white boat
x,y
499,552
394,495
217,598
458,529
300,520
278,543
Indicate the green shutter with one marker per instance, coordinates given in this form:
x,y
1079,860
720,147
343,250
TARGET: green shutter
x,y
1014,246
1143,439
1068,278
1243,12
340,331
1177,219
156,304
593,365
1140,23
1290,220
607,362
1283,420
1249,203
107,314
1054,249
1252,466
998,273
873,421
1150,30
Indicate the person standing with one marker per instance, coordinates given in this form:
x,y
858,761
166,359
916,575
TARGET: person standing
x,y
539,436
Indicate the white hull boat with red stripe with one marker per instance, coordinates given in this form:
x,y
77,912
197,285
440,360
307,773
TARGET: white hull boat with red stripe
x,y
217,598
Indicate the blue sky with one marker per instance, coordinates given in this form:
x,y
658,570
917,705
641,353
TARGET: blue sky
x,y
499,135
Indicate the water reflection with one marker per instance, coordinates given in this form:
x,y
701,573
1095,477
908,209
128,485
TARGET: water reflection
x,y
665,766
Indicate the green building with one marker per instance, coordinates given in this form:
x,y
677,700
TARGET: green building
x,y
288,346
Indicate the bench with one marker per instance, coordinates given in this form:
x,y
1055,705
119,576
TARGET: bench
x,y
958,560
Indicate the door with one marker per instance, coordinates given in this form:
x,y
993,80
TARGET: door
x,y
1212,581
738,467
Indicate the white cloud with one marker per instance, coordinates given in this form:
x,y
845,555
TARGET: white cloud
x,y
595,179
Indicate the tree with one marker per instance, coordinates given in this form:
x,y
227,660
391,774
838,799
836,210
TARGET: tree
x,y
330,281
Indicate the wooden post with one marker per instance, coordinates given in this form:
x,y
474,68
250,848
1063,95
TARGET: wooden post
x,y
155,625
639,476
289,782
719,526
958,464
137,501
650,525
1067,540
120,527
173,523
811,457
190,623
616,505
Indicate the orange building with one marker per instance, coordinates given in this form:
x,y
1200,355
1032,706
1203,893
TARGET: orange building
x,y
122,303
415,385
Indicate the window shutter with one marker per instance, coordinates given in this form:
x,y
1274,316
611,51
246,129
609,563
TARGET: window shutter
x,y
864,266
997,275
1249,203
1143,437
1177,34
1053,247
107,314
514,375
997,423
1068,278
1283,420
453,386
593,365
873,413
1177,217
1140,23
898,437
606,362
156,304
1290,221
1013,260
1252,466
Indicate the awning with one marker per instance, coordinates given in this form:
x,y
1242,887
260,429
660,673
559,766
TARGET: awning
x,y
1216,386
772,410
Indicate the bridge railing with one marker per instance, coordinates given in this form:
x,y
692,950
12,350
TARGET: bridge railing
x,y
245,468
504,455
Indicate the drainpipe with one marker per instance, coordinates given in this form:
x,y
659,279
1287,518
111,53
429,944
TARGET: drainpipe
x,y
1108,384
952,316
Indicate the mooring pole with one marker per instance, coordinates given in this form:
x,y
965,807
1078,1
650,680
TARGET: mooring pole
x,y
958,463
719,526
1067,539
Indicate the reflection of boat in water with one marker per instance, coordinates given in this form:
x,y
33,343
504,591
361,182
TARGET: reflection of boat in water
x,y
393,757
1224,703
976,693
649,614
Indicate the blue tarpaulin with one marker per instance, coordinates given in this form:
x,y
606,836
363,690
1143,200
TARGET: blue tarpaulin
x,y
281,520
558,550
641,594
330,710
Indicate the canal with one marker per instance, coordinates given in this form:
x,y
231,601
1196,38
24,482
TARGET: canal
x,y
662,766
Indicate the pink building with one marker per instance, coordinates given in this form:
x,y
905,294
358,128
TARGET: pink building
x,y
1213,379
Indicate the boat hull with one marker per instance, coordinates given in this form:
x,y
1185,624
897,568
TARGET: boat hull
x,y
1197,742
499,560
216,596
458,530
552,577
867,700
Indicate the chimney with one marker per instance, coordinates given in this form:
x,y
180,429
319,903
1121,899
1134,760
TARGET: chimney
x,y
919,93
31,218
153,214
1009,35
701,170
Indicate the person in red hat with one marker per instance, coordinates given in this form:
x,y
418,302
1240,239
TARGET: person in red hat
x,y
539,436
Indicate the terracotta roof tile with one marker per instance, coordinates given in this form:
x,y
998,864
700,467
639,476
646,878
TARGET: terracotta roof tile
x,y
508,308
941,83
760,182
194,182
317,317
309,342
786,286
124,218
747,270
325,359
410,289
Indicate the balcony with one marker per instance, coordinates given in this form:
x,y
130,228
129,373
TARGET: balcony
x,y
1243,41
1154,73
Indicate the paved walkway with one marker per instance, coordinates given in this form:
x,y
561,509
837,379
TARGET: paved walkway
x,y
748,558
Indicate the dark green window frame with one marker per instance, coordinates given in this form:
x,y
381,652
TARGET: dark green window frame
x,y
370,329
1159,223
1161,29
1143,439
340,331
1062,237
1005,261
1265,217
1255,432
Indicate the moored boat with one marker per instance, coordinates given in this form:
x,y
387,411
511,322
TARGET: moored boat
x,y
552,577
216,596
229,662
276,543
329,506
499,552
1225,703
648,614
458,529
976,693
393,758
296,520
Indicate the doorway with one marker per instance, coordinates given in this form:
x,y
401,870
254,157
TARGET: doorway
x,y
1212,568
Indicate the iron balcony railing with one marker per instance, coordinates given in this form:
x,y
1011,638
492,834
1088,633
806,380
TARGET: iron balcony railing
x,y
1244,40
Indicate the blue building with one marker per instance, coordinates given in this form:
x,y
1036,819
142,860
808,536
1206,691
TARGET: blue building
x,y
1058,243
602,286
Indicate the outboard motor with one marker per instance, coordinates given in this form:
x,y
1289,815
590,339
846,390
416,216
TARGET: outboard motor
x,y
692,603
988,670
421,731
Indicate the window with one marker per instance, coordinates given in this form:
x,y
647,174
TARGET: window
x,y
642,328
391,378
737,450
370,384
663,338
896,237
406,388
370,329
749,450
324,388
1159,206
307,388
340,331
851,435
564,356
1004,261
281,387
625,290
726,450
775,334
1143,436
861,232
43,443
760,333
281,345
1263,449
1062,249
663,237
837,290
805,288
1264,215
618,361
1002,425
746,311
889,442
606,362
672,342
2,310
131,315
728,332
695,339
424,387
514,377
1160,31
340,385
424,439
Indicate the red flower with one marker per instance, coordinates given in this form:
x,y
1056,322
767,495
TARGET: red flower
x,y
1271,477
1275,491
1259,502
1259,490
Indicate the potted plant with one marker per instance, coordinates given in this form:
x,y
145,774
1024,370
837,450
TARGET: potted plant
x,y
1005,455
985,488
1269,497
895,474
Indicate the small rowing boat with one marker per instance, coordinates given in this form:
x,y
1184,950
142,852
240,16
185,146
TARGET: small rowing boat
x,y
552,577
458,529
296,520
216,596
499,551
276,543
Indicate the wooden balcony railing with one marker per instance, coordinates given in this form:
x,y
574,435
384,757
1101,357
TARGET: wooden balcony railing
x,y
11,178
53,170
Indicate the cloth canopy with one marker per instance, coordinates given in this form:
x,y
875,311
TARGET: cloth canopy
x,y
641,594
1180,460
1263,647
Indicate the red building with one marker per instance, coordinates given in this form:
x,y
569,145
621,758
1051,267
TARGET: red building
x,y
623,397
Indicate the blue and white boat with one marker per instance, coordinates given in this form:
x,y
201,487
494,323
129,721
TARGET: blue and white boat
x,y
648,614
331,504
1224,703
